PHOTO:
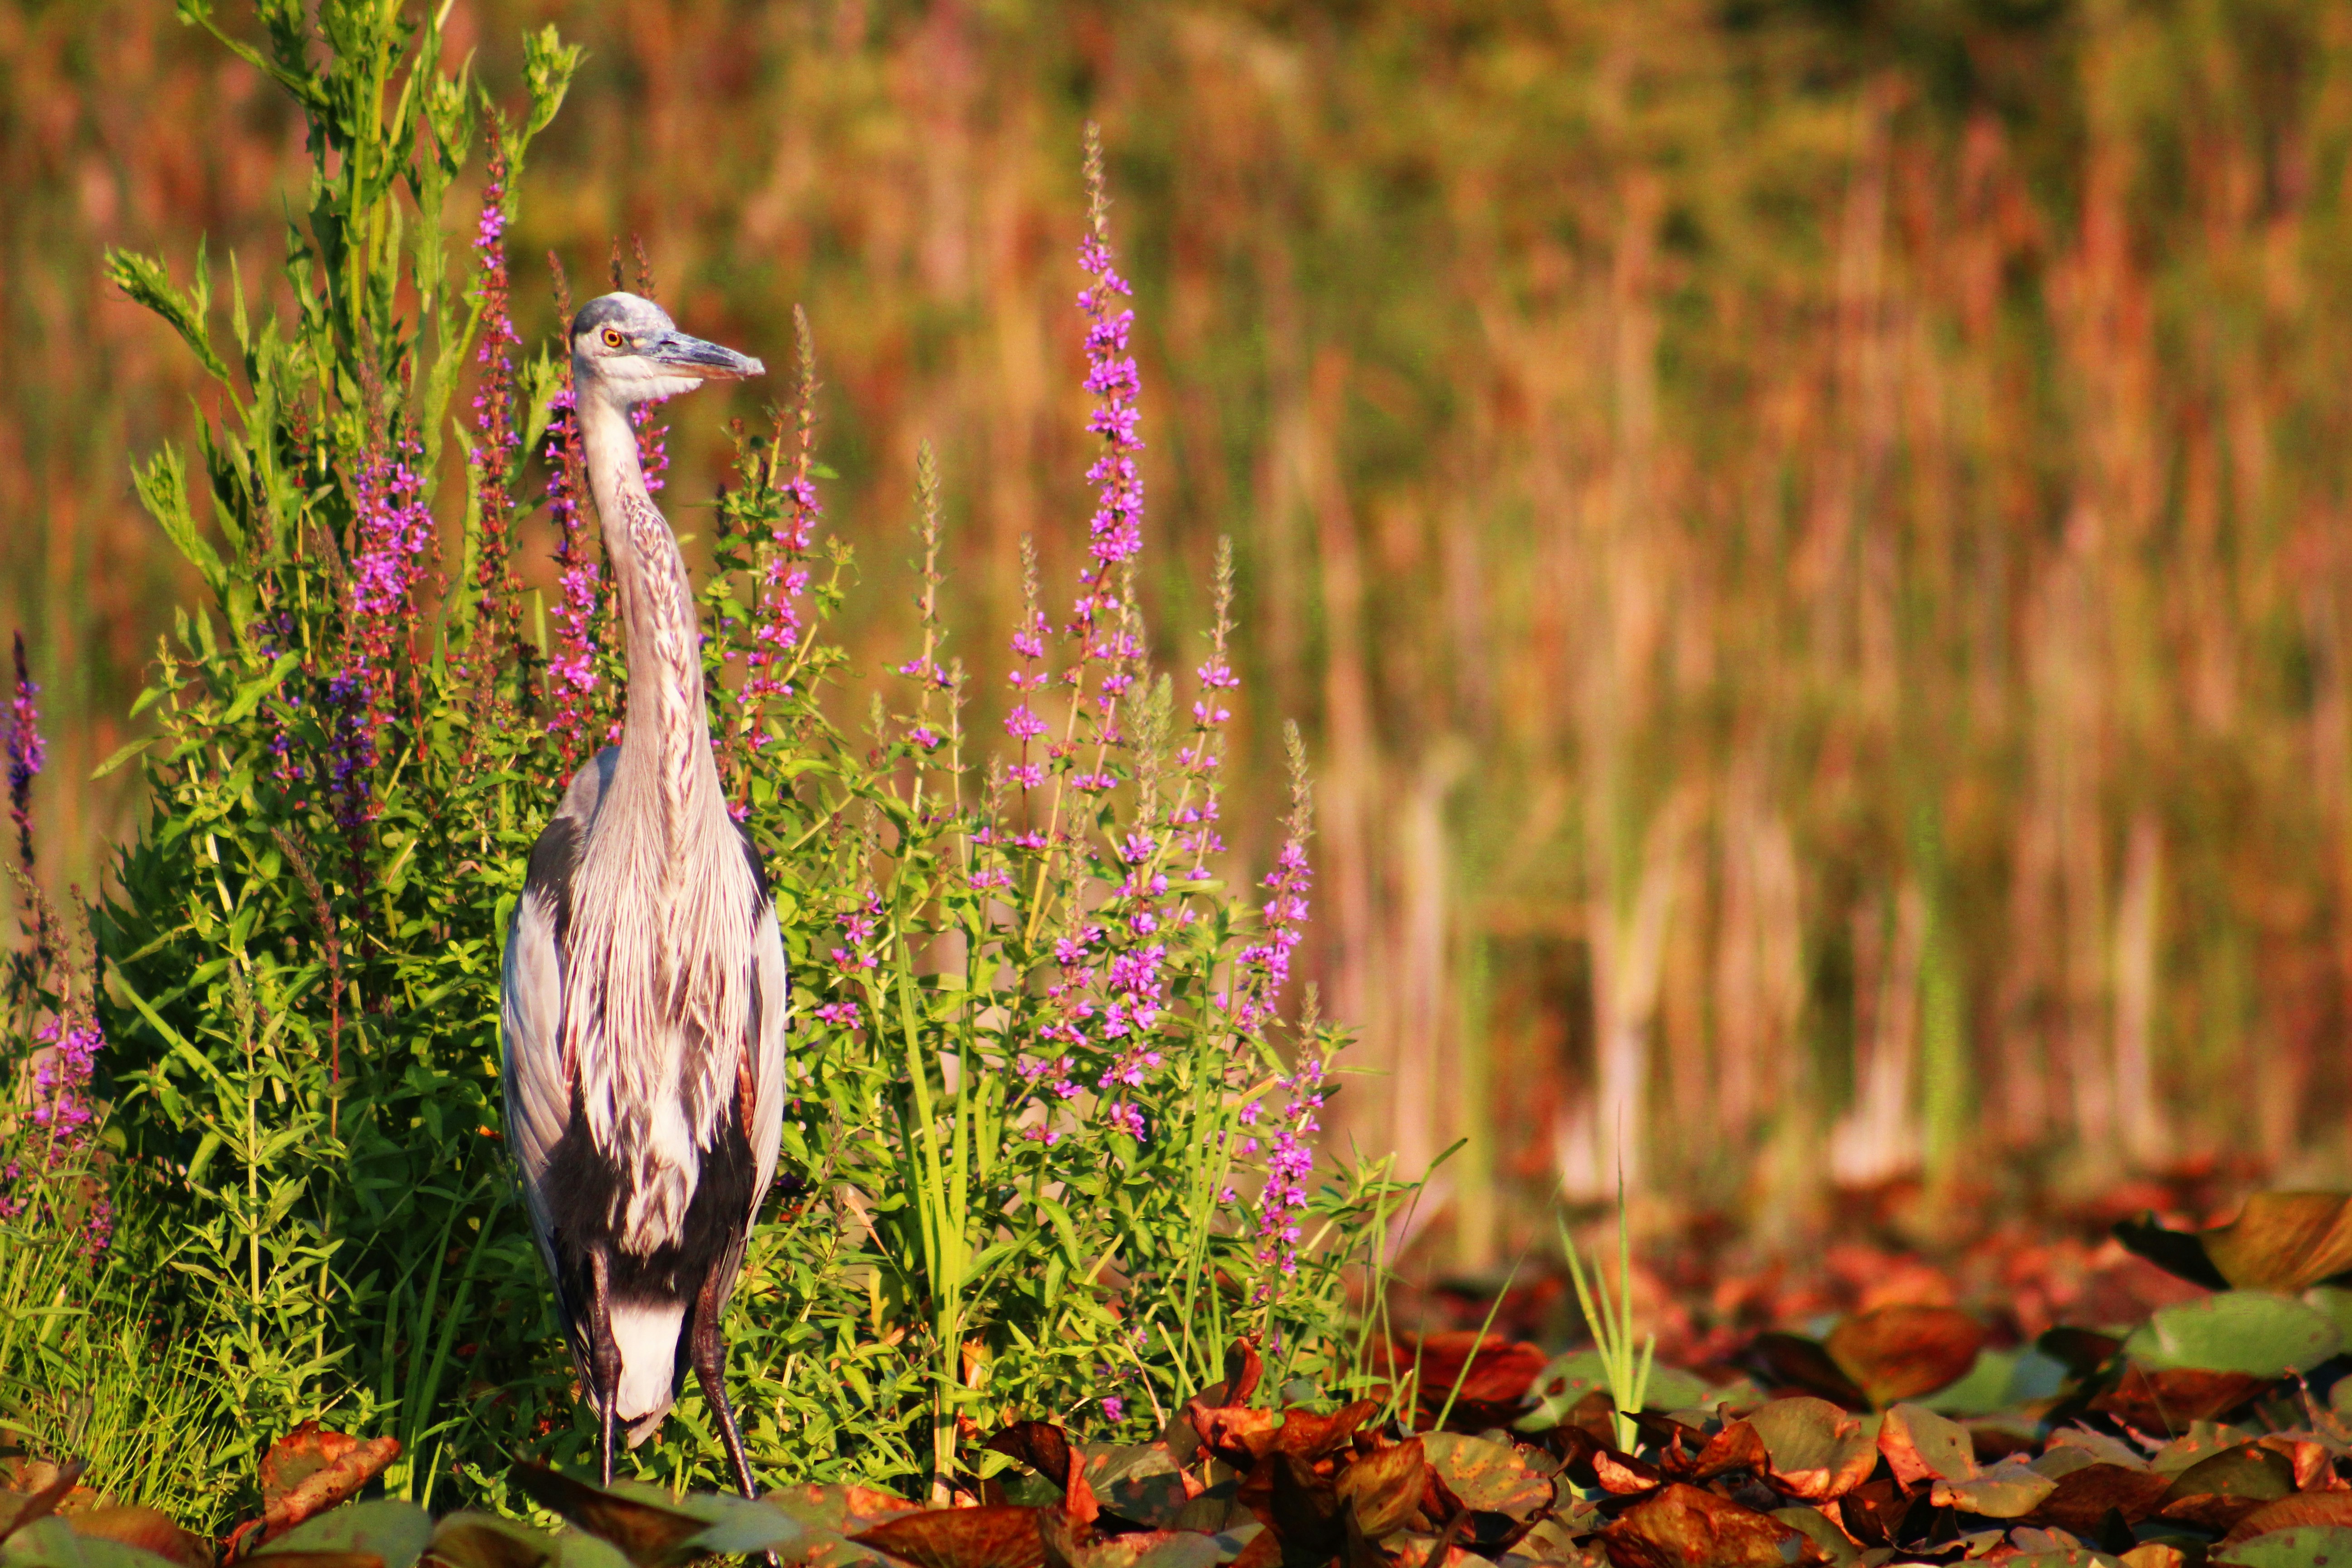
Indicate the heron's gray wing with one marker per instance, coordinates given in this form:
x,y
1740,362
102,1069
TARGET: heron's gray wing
x,y
771,1009
538,1078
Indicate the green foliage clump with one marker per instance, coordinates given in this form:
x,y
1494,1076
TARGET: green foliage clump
x,y
1051,1152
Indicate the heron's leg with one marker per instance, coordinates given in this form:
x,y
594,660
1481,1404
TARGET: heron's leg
x,y
605,1352
710,1371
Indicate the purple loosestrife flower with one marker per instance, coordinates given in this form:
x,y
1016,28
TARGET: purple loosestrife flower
x,y
1290,1167
571,666
653,443
26,754
1098,620
63,1121
392,529
1195,817
496,441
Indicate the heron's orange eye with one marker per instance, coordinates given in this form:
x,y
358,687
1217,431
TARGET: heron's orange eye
x,y
611,337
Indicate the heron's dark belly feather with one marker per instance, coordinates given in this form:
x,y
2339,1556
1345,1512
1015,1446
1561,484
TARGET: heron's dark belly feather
x,y
585,1196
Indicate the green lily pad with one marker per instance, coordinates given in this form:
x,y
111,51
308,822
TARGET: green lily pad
x,y
1138,1481
395,1530
2001,1380
2307,1546
52,1543
1494,1477
1920,1445
2241,1470
2010,1489
1815,1526
1817,1451
1566,1379
477,1540
2254,1332
737,1528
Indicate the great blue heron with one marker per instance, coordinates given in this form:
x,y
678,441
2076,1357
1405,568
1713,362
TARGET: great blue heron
x,y
642,999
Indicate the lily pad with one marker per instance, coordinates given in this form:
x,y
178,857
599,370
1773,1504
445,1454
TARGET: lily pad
x,y
2305,1546
2000,1379
2165,1399
1384,1487
647,1533
51,1542
2283,1241
1921,1446
2241,1470
1827,1537
1903,1352
1138,1481
477,1540
1682,1524
1566,1379
2088,1493
395,1530
963,1537
145,1529
2010,1489
1487,1475
1817,1451
2256,1333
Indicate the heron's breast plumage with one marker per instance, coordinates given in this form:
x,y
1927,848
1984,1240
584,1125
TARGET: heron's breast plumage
x,y
659,1008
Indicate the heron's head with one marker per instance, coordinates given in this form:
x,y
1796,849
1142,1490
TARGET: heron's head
x,y
628,349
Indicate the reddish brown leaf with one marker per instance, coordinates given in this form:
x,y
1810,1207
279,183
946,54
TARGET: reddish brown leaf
x,y
1384,1487
1622,1474
42,1503
645,1534
1485,1376
2085,1496
1873,1511
1040,1445
147,1529
1137,1549
1596,1416
1784,1361
1736,1447
1138,1482
1311,1436
1903,1352
1817,1451
1490,1475
960,1538
1239,1436
2241,1470
2286,1242
480,1541
842,1509
1242,1370
1921,1446
2209,1510
1263,1551
1305,1510
322,1559
2288,1512
1684,1526
310,1470
2168,1399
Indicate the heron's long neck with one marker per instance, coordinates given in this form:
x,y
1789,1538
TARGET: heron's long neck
x,y
667,734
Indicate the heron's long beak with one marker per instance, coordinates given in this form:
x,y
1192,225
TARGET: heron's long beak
x,y
692,356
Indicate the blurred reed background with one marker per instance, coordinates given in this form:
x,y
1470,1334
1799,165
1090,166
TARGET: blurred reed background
x,y
1810,541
